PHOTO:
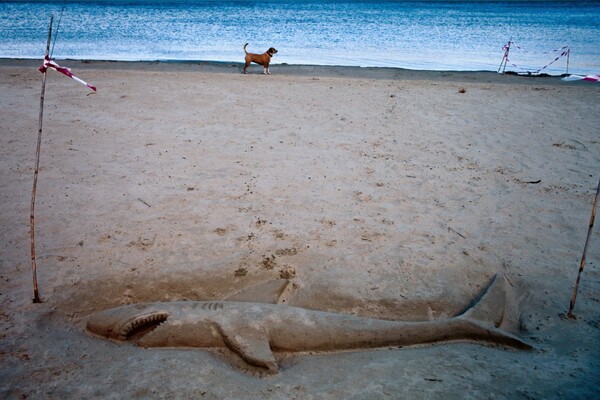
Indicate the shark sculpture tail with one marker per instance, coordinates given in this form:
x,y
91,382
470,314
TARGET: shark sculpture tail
x,y
255,330
490,313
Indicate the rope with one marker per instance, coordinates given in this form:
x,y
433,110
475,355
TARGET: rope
x,y
58,26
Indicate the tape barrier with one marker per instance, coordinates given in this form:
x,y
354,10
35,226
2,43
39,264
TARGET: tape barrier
x,y
563,52
48,63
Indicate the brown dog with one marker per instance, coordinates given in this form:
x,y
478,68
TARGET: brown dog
x,y
261,59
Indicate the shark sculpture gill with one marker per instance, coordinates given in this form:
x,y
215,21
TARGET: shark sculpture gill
x,y
255,330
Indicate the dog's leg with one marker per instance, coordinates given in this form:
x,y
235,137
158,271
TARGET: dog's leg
x,y
245,67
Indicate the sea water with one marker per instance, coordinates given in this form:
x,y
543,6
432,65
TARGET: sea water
x,y
428,35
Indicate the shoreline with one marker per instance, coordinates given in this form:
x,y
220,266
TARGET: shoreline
x,y
301,70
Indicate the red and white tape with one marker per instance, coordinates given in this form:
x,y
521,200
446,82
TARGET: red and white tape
x,y
564,52
48,63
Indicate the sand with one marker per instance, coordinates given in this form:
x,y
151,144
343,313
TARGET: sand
x,y
381,193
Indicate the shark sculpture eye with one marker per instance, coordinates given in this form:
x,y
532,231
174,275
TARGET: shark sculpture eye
x,y
142,325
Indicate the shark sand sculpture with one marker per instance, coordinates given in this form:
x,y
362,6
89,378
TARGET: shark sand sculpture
x,y
255,330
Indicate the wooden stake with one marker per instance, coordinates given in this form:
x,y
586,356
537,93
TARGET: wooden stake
x,y
505,57
36,294
582,264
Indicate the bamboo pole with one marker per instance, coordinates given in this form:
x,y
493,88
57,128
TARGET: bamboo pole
x,y
582,263
36,293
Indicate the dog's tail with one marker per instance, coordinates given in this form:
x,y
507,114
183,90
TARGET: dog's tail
x,y
245,48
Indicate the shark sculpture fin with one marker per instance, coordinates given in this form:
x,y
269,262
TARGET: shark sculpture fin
x,y
489,306
274,291
249,342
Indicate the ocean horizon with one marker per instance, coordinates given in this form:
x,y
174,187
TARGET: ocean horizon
x,y
423,35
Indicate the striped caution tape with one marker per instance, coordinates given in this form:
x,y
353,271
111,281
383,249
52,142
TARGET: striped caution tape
x,y
48,63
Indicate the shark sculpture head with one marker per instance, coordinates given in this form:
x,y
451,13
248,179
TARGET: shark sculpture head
x,y
121,324
135,322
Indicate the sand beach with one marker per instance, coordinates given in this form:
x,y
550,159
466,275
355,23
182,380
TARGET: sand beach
x,y
376,192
